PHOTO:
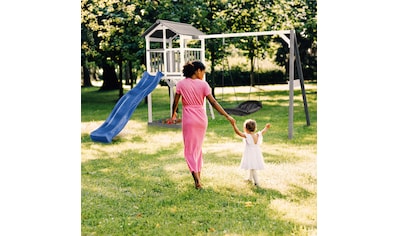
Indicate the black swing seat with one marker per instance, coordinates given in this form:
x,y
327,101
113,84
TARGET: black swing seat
x,y
245,108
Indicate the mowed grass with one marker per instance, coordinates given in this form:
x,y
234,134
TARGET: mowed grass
x,y
140,184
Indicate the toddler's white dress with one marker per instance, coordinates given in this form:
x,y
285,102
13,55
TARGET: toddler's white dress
x,y
252,157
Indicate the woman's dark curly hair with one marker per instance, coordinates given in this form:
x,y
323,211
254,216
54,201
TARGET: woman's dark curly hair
x,y
191,67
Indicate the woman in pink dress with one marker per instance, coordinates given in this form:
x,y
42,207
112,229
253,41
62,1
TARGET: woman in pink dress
x,y
193,90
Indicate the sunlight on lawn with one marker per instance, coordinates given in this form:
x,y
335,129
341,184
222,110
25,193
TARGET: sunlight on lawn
x,y
293,174
134,131
297,179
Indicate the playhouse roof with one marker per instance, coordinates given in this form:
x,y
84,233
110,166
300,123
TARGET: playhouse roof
x,y
172,28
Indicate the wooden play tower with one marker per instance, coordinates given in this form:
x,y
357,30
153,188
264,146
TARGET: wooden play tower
x,y
169,45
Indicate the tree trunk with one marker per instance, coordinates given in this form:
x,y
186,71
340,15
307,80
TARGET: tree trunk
x,y
86,77
133,79
126,75
120,79
251,75
109,77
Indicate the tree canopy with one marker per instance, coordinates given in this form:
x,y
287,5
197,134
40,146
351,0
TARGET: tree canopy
x,y
111,30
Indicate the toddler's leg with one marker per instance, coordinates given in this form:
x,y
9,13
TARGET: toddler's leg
x,y
250,175
255,176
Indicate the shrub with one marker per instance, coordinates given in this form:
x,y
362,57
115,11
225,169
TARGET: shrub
x,y
242,78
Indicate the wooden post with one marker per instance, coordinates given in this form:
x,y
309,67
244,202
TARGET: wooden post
x,y
202,56
149,101
300,74
148,63
291,85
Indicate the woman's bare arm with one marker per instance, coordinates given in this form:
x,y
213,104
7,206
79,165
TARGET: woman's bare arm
x,y
175,105
218,107
238,132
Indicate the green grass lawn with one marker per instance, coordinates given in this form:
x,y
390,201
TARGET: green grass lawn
x,y
140,184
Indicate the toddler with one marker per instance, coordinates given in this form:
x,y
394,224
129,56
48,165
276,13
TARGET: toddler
x,y
252,158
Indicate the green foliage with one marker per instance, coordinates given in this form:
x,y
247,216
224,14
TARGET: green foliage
x,y
111,30
300,15
237,77
114,27
112,34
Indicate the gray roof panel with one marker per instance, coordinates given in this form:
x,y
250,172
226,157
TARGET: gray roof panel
x,y
173,28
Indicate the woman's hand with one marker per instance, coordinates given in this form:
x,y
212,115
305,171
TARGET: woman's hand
x,y
172,120
231,119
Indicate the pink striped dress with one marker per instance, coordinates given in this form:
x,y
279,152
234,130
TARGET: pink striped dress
x,y
194,119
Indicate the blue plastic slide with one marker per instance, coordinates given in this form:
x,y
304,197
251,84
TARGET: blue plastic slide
x,y
124,108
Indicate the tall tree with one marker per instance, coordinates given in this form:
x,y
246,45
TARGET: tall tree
x,y
83,57
115,27
300,15
211,19
112,29
249,16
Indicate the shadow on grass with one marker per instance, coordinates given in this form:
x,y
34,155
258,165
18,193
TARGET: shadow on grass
x,y
299,194
85,138
134,194
278,159
269,193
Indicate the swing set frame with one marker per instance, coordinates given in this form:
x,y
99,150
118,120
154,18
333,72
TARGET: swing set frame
x,y
168,47
294,61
